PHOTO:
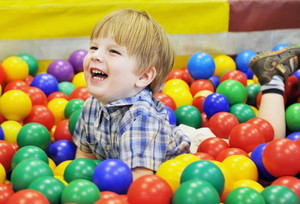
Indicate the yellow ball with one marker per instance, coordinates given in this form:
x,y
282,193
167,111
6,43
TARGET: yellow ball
x,y
15,105
57,107
187,159
248,183
61,179
15,68
241,167
60,168
2,174
180,95
11,130
171,171
175,83
79,80
203,93
0,90
52,164
223,63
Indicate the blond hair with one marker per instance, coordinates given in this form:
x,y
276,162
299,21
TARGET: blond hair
x,y
143,37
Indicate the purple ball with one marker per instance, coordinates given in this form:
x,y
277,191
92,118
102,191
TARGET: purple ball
x,y
62,70
76,59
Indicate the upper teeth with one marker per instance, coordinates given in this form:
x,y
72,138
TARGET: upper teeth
x,y
97,72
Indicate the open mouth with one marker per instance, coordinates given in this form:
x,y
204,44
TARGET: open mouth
x,y
98,75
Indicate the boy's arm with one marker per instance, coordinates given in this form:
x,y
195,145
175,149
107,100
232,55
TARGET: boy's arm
x,y
140,171
80,154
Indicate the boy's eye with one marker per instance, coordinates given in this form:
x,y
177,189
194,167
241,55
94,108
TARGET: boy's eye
x,y
93,48
115,51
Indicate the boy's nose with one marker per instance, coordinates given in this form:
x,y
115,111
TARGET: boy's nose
x,y
97,56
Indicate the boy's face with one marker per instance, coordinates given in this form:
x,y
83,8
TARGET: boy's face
x,y
108,71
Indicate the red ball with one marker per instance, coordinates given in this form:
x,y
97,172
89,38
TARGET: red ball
x,y
291,182
2,119
204,120
2,75
28,196
42,115
222,123
292,89
166,100
204,156
198,103
246,137
108,197
235,75
62,131
186,76
212,146
149,189
57,94
36,95
15,85
80,92
29,79
266,127
229,152
7,152
201,84
6,191
281,157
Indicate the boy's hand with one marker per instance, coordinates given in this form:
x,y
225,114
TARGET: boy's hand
x,y
140,171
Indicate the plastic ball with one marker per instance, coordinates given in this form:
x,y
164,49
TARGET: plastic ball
x,y
265,126
248,183
166,100
244,195
174,83
72,106
16,85
279,194
80,92
215,103
201,66
31,62
61,167
198,102
57,94
149,189
2,75
6,155
80,168
73,120
204,170
27,171
291,89
36,95
180,95
61,150
214,80
15,68
62,131
234,75
66,87
6,192
291,182
294,136
201,84
2,174
292,115
186,159
76,59
46,82
11,129
57,107
233,90
113,175
280,157
188,115
243,58
181,74
27,196
223,63
79,80
229,152
172,116
62,70
252,92
196,191
242,167
80,191
280,46
42,115
242,112
212,146
222,123
204,156
15,105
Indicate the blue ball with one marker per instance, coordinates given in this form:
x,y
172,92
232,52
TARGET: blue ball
x,y
294,136
215,103
61,150
172,116
242,60
215,80
280,46
201,66
46,82
1,133
113,175
256,157
297,74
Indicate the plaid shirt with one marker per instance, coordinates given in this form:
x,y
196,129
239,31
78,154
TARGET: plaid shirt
x,y
135,130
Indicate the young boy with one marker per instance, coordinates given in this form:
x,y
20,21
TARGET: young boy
x,y
129,58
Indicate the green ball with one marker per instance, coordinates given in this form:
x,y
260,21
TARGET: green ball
x,y
252,92
66,87
49,186
206,171
244,195
280,195
27,171
242,112
29,152
196,191
188,115
81,168
34,134
292,116
73,120
31,62
233,90
80,191
73,105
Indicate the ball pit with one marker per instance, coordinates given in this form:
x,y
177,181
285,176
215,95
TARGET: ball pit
x,y
201,66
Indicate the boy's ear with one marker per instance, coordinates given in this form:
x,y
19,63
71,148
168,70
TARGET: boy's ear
x,y
146,78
